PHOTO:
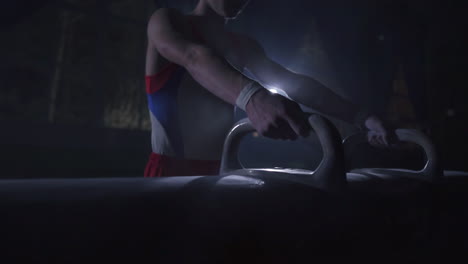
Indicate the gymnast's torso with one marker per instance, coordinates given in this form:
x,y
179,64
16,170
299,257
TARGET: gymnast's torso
x,y
188,121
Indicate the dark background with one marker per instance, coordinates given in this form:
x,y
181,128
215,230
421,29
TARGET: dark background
x,y
72,100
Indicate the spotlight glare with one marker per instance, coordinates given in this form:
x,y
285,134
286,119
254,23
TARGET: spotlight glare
x,y
273,90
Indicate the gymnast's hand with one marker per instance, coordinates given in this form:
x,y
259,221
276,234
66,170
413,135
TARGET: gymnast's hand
x,y
379,135
275,116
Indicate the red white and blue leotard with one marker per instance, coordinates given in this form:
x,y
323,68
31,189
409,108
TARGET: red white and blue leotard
x,y
188,123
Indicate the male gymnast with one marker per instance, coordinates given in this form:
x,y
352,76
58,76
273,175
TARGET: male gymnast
x,y
194,77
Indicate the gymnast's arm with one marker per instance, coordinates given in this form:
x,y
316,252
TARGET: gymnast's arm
x,y
306,90
215,74
202,63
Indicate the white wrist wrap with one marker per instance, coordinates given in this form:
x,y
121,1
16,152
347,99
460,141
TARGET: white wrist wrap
x,y
246,93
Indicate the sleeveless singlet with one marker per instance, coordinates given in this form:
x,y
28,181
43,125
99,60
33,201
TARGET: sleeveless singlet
x,y
171,128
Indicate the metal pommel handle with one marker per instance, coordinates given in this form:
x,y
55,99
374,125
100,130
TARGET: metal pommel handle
x,y
432,170
329,174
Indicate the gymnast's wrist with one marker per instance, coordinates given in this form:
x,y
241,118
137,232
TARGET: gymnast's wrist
x,y
361,117
246,95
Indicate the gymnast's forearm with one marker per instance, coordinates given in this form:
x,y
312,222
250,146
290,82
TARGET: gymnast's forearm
x,y
313,94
